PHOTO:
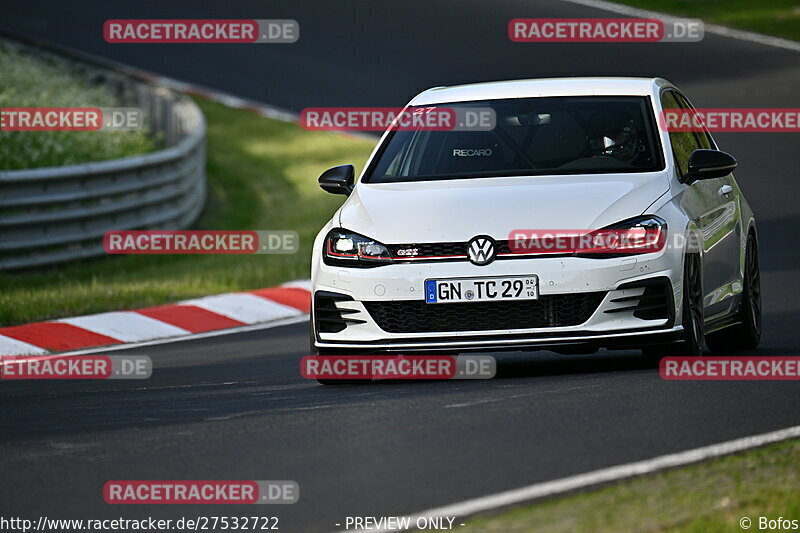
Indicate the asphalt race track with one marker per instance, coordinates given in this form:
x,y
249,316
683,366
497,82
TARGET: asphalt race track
x,y
235,406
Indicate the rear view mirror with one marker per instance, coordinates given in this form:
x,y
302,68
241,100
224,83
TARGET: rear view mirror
x,y
338,180
708,164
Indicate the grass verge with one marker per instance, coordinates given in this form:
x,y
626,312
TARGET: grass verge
x,y
262,174
710,497
27,81
780,18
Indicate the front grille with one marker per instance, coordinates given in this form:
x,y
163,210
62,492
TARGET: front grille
x,y
549,311
454,250
432,249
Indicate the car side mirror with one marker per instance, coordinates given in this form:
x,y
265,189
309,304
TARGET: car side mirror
x,y
338,180
708,164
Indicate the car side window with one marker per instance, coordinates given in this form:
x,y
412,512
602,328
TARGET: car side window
x,y
703,137
683,142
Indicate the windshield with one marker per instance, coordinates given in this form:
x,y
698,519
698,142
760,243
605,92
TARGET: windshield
x,y
547,135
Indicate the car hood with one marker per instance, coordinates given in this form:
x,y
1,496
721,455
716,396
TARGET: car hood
x,y
458,209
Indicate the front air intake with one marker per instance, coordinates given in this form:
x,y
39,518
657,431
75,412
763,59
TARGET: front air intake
x,y
655,302
328,318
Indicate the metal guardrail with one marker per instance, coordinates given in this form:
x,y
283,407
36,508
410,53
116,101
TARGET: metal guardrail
x,y
56,214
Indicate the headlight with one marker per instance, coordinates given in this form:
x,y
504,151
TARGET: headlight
x,y
640,235
345,248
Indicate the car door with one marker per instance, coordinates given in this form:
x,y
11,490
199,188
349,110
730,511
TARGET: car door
x,y
713,205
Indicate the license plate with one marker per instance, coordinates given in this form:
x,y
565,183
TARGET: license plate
x,y
440,291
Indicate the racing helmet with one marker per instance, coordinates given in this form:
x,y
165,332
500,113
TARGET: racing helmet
x,y
613,134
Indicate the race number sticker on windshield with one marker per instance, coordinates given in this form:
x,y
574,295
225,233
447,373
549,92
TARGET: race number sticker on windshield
x,y
439,291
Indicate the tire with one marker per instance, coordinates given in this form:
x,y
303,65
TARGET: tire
x,y
747,334
691,343
321,353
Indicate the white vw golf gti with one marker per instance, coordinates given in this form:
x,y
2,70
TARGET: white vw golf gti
x,y
423,255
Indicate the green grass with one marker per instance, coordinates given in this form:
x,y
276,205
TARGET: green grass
x,y
27,81
710,497
262,175
780,18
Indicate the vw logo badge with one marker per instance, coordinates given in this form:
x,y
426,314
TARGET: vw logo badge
x,y
481,250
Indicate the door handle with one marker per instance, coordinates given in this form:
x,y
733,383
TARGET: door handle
x,y
725,189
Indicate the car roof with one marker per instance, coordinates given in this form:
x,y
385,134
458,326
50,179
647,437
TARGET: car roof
x,y
497,90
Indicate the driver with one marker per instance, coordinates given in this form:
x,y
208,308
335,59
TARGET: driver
x,y
613,134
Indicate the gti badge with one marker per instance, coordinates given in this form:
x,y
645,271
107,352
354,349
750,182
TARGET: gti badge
x,y
481,250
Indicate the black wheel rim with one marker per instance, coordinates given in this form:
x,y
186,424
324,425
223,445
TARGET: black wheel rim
x,y
754,285
695,298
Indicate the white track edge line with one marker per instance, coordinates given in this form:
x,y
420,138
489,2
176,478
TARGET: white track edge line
x,y
725,31
597,477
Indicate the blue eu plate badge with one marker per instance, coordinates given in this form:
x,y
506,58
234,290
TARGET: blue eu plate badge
x,y
430,291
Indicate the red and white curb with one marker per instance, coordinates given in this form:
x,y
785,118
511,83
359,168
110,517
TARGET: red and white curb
x,y
186,318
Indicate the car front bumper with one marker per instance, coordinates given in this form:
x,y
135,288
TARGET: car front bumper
x,y
620,319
